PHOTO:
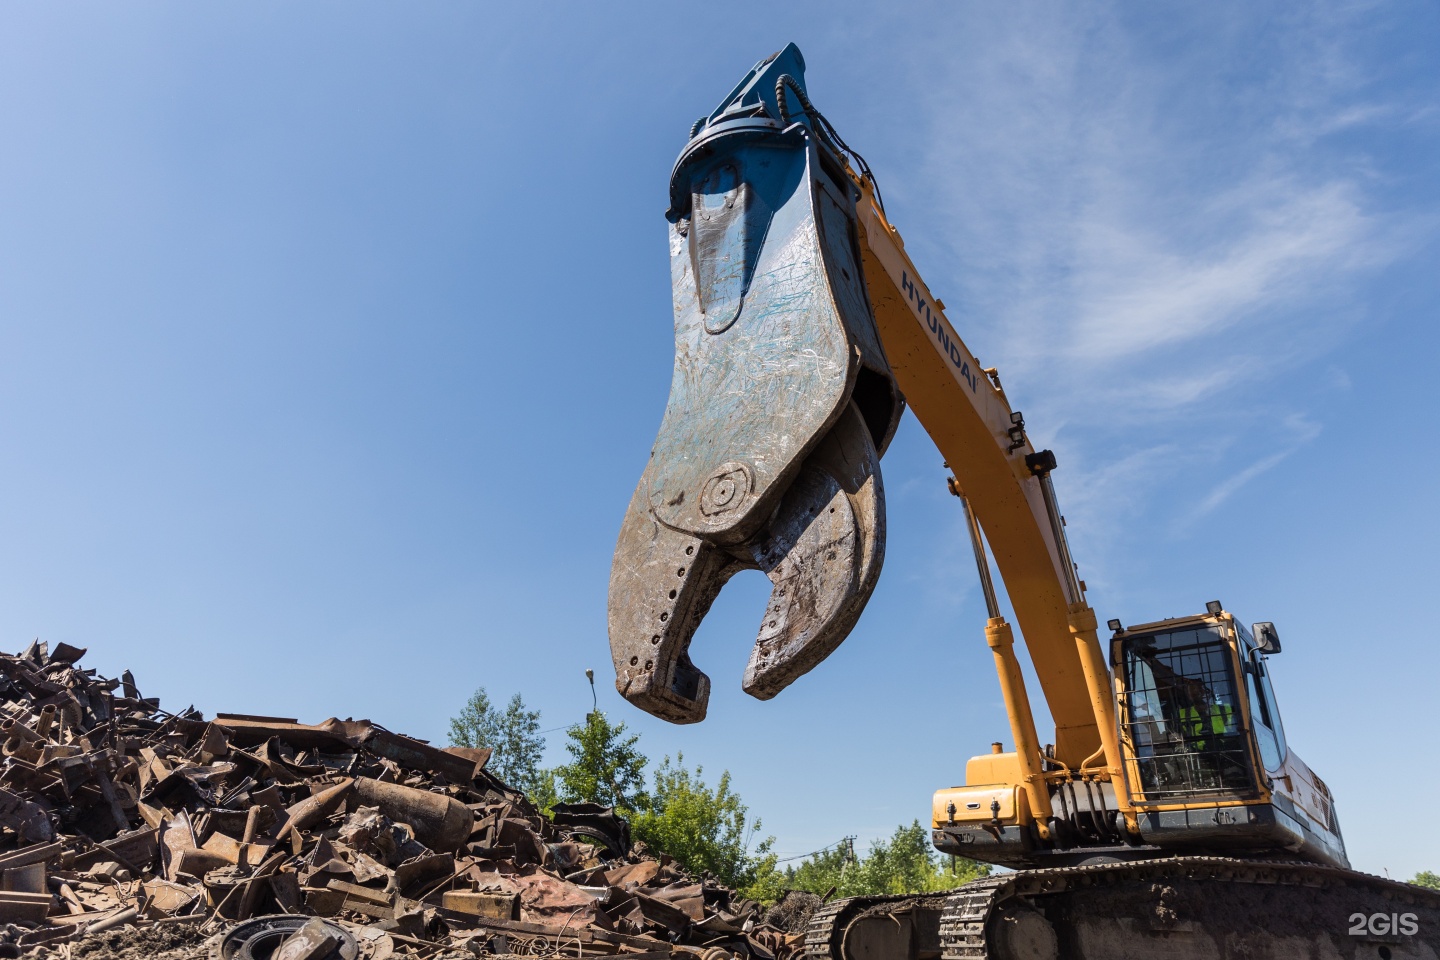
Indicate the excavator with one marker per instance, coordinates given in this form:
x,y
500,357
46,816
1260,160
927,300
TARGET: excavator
x,y
1168,816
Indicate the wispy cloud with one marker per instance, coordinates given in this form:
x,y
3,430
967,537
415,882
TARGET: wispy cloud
x,y
1139,290
1147,231
1303,431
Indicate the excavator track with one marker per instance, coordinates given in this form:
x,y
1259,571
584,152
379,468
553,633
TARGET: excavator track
x,y
967,913
1179,908
828,924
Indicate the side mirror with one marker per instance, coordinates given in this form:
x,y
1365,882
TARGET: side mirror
x,y
1266,639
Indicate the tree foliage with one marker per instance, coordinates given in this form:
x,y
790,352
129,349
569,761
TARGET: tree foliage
x,y
707,829
606,766
546,792
513,736
906,863
1426,878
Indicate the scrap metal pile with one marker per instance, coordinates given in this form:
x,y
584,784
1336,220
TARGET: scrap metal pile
x,y
340,839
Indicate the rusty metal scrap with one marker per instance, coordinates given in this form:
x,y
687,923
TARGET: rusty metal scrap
x,y
313,842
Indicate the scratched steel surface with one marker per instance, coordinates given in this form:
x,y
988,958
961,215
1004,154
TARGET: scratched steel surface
x,y
768,454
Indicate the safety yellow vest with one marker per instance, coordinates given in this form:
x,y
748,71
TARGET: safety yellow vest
x,y
1193,722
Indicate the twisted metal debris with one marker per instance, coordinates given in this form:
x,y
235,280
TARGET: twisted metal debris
x,y
312,842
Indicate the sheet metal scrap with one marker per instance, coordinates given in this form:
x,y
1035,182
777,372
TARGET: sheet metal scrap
x,y
781,403
116,815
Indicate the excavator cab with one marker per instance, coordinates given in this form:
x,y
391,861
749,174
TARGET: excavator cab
x,y
1180,708
1206,760
1180,714
1205,765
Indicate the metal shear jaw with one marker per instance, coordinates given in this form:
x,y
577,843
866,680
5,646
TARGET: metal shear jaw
x,y
781,403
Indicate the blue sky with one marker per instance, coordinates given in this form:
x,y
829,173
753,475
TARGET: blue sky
x,y
333,338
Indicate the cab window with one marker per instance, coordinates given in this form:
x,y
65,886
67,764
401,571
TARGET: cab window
x,y
1265,738
1180,711
1265,718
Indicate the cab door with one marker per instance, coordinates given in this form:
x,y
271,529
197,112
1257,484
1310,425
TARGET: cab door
x,y
1264,714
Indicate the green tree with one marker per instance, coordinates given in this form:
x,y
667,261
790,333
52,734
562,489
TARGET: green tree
x,y
906,863
1425,878
822,871
546,792
513,736
706,829
606,767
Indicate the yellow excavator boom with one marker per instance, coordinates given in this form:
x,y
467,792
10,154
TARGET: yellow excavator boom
x,y
964,410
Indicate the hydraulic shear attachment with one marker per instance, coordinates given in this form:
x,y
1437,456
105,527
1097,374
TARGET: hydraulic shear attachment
x,y
781,403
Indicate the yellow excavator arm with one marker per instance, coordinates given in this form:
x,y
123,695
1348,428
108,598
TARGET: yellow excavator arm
x,y
1002,477
1005,484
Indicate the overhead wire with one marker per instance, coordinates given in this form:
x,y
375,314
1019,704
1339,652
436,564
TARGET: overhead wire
x,y
802,856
